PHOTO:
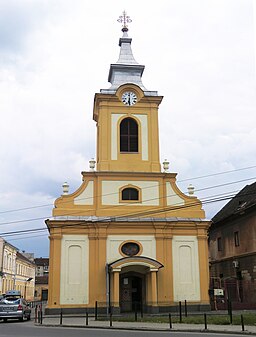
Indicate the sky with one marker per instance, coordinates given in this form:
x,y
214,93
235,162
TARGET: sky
x,y
55,55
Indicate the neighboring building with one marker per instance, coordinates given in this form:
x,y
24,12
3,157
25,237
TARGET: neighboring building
x,y
232,245
29,256
8,266
42,266
17,272
25,276
41,286
1,263
128,236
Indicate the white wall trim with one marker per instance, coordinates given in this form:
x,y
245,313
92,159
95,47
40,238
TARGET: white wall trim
x,y
144,135
186,276
149,192
148,243
173,199
114,133
86,197
74,275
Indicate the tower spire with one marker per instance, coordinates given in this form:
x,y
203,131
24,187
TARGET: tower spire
x,y
126,69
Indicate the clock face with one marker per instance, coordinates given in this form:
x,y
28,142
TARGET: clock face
x,y
129,98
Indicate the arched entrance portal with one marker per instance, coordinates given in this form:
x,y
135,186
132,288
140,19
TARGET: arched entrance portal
x,y
133,283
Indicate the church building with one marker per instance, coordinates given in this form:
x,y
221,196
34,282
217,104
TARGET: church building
x,y
128,237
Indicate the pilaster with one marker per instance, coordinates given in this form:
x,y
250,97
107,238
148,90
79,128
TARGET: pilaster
x,y
115,301
203,267
54,270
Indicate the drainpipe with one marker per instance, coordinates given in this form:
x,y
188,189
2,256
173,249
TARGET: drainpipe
x,y
108,288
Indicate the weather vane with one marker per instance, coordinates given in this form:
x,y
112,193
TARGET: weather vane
x,y
124,19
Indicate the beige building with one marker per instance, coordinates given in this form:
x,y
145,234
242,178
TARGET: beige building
x,y
1,263
8,266
25,276
128,237
17,272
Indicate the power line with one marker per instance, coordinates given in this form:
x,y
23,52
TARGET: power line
x,y
217,174
25,208
178,181
211,199
23,231
76,212
28,237
152,211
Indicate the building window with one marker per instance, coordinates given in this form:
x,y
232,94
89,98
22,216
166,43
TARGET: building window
x,y
219,244
236,239
130,194
128,135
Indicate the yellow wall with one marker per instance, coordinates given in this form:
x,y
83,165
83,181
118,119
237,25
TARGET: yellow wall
x,y
24,271
98,232
105,106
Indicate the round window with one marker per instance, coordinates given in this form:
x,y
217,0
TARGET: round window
x,y
130,248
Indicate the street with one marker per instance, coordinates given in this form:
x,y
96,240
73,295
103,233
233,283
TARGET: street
x,y
28,329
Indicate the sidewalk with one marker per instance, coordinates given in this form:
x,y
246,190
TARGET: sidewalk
x,y
80,322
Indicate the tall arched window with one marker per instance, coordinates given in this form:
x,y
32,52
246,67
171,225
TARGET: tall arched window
x,y
130,194
128,135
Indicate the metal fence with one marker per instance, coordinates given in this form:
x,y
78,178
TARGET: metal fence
x,y
108,317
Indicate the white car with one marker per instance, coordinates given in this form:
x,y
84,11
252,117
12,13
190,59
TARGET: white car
x,y
14,307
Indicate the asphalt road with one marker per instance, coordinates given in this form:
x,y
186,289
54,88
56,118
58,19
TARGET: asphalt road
x,y
28,329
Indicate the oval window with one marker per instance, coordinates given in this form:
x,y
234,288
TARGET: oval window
x,y
130,248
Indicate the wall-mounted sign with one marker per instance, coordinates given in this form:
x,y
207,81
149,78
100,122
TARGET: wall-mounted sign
x,y
218,292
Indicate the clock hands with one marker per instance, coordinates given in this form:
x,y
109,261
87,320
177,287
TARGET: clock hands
x,y
129,98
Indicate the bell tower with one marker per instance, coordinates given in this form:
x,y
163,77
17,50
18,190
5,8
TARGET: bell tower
x,y
127,116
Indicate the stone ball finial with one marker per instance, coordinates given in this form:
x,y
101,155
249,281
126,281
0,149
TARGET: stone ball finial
x,y
65,187
191,189
166,165
92,163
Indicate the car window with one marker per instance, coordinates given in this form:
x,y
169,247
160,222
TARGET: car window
x,y
10,301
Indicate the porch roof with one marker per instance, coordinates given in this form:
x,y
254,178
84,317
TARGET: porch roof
x,y
152,264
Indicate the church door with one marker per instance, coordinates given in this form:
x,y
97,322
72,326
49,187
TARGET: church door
x,y
130,293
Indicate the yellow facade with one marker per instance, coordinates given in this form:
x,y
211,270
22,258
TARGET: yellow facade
x,y
148,249
25,277
18,272
8,267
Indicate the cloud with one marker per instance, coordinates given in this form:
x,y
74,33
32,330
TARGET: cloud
x,y
18,19
54,56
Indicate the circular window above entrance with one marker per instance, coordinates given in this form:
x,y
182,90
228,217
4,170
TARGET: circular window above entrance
x,y
130,248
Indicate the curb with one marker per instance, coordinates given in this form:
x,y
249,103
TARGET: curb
x,y
145,329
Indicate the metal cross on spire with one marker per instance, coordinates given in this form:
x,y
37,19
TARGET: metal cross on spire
x,y
124,19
